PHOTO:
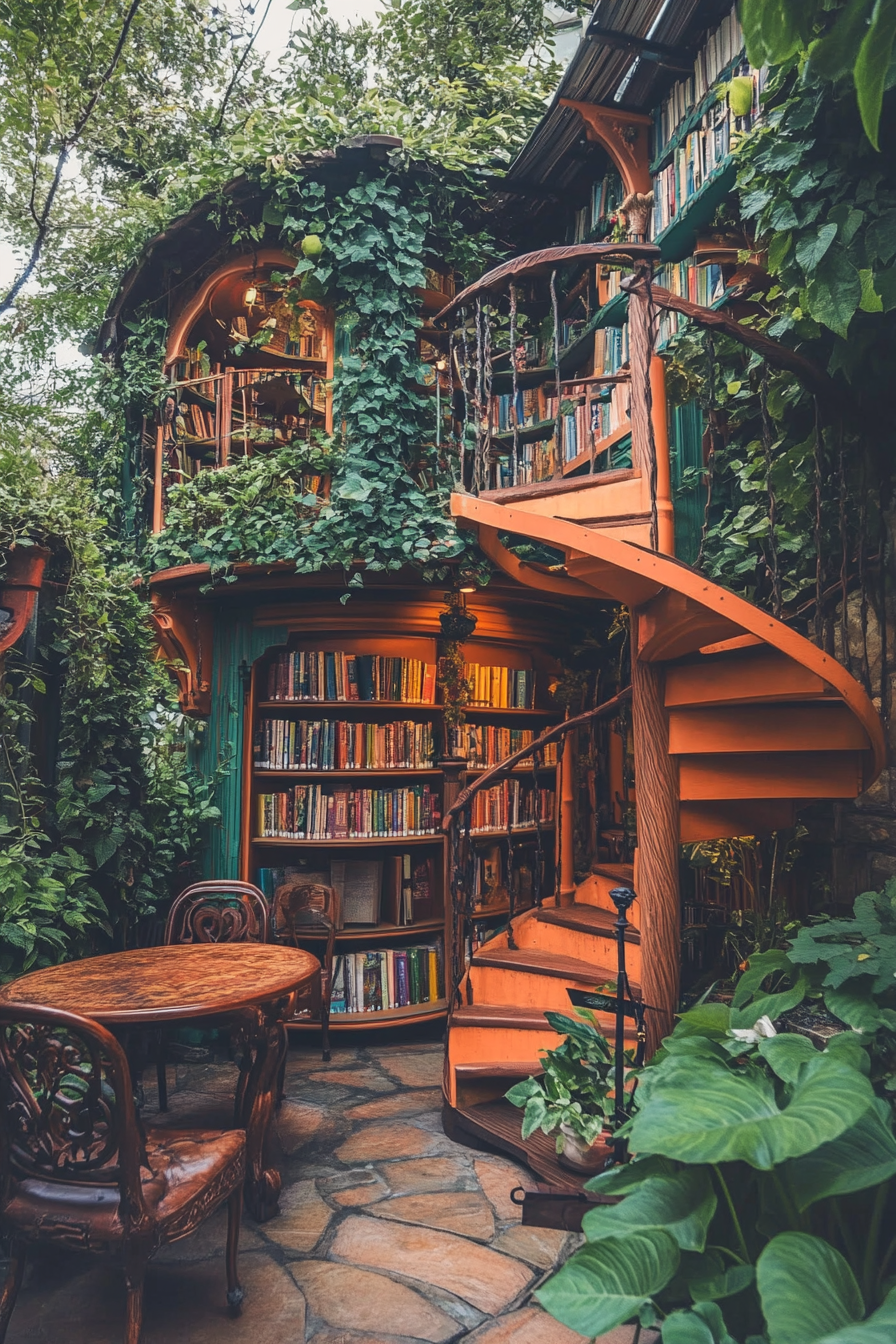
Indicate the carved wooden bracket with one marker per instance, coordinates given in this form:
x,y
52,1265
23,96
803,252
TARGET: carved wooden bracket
x,y
184,628
18,591
624,137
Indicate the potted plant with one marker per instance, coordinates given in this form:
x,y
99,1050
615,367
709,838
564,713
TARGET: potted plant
x,y
574,1097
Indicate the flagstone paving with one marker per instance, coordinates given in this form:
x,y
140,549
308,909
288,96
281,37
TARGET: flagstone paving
x,y
389,1233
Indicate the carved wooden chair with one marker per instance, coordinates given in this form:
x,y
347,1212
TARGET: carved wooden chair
x,y
213,912
309,912
75,1168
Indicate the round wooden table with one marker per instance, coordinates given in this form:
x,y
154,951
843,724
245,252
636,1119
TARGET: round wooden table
x,y
249,987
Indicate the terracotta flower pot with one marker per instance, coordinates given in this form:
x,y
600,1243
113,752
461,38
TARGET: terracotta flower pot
x,y
23,576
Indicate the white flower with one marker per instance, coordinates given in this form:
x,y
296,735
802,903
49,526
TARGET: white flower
x,y
762,1029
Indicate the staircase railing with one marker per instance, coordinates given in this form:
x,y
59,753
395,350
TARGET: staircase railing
x,y
458,825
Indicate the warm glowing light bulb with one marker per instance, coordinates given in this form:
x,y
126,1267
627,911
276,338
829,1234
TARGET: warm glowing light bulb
x,y
467,588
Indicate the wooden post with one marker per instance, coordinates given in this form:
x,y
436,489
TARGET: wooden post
x,y
157,479
659,414
645,450
567,823
656,787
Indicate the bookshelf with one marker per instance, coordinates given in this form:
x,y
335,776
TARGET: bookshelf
x,y
348,769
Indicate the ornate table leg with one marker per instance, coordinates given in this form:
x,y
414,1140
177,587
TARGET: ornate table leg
x,y
256,1100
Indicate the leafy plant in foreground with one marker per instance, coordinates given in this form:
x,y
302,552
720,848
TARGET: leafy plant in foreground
x,y
761,1205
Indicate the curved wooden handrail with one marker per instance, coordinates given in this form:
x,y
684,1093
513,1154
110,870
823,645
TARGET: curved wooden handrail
x,y
661,571
545,261
497,772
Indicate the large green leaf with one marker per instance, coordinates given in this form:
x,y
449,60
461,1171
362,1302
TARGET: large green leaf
x,y
834,54
683,1202
604,1284
861,1157
870,72
702,1324
709,1113
807,1289
836,292
786,1054
879,1328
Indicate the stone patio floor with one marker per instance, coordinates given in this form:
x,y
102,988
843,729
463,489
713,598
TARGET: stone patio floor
x,y
389,1233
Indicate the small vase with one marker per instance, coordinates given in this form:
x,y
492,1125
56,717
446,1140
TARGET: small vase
x,y
578,1155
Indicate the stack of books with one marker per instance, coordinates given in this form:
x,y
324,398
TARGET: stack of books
x,y
501,687
321,675
376,981
311,812
326,744
486,744
512,804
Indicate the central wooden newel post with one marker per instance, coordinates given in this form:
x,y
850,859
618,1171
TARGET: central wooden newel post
x,y
656,870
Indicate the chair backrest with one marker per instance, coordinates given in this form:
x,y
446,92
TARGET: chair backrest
x,y
218,912
304,904
67,1106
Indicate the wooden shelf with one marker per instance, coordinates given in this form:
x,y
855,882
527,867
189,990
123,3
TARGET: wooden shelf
x,y
377,933
547,829
602,446
346,704
400,841
415,1012
491,709
346,774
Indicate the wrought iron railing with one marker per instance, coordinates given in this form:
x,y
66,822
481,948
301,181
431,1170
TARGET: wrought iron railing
x,y
462,838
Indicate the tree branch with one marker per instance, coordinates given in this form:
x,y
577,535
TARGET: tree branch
x,y
42,219
216,129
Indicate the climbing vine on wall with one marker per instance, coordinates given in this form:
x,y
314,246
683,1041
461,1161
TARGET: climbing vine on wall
x,y
389,489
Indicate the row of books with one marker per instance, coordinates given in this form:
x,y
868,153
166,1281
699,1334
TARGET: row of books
x,y
197,422
500,687
485,744
589,418
693,163
533,462
303,347
311,812
512,804
326,744
720,49
607,194
701,284
375,981
508,413
610,349
323,675
399,889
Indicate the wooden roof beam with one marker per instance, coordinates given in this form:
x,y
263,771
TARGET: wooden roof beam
x,y
670,58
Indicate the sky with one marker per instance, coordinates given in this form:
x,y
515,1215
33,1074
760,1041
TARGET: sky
x,y
271,41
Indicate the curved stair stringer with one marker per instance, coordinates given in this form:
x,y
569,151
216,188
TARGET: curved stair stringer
x,y
708,634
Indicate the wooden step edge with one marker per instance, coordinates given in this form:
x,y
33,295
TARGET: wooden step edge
x,y
569,917
574,969
523,1068
507,1017
623,872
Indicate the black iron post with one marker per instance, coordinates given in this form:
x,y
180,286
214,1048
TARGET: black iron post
x,y
622,898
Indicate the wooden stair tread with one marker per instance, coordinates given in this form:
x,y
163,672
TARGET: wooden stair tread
x,y
585,919
500,1124
536,962
502,1016
623,873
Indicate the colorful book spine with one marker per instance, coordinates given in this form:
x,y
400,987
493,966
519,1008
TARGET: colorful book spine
x,y
501,687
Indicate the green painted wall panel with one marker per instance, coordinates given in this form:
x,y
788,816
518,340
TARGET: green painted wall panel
x,y
686,444
236,642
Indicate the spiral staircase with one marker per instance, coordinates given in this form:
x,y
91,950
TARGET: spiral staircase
x,y
749,721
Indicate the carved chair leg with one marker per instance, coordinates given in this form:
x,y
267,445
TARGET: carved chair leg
x,y
134,1274
234,1211
12,1285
